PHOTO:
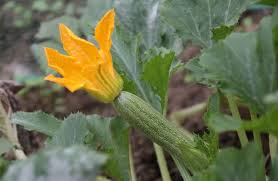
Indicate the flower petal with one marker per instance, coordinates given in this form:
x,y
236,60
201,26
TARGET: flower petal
x,y
104,29
94,82
59,62
68,83
81,49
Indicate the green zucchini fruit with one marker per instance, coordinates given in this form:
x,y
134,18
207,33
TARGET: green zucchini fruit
x,y
178,142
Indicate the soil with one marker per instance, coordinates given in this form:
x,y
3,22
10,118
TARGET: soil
x,y
16,57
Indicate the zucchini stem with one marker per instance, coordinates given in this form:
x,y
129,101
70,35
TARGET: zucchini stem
x,y
162,163
256,134
180,115
235,113
131,163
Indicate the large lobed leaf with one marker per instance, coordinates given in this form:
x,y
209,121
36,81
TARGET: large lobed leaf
x,y
111,137
49,29
195,19
232,164
136,17
241,165
92,13
73,163
108,135
156,72
73,131
243,64
141,17
37,121
269,2
267,123
142,77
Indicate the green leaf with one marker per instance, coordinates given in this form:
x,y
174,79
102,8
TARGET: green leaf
x,y
50,29
220,122
246,164
73,131
214,105
29,80
240,165
266,123
197,72
111,137
141,17
37,121
72,164
221,32
92,14
5,145
136,17
125,56
269,2
146,76
156,72
194,19
243,65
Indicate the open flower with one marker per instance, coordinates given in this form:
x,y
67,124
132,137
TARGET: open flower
x,y
87,67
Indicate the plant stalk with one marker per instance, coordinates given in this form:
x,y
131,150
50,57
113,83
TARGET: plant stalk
x,y
256,134
273,146
162,163
179,116
161,160
131,163
235,113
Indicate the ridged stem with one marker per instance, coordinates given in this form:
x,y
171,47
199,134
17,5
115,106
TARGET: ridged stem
x,y
162,163
131,163
235,113
256,134
161,160
273,146
180,115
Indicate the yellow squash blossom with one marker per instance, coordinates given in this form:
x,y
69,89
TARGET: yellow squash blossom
x,y
86,66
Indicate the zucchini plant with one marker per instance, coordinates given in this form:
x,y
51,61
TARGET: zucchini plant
x,y
128,63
